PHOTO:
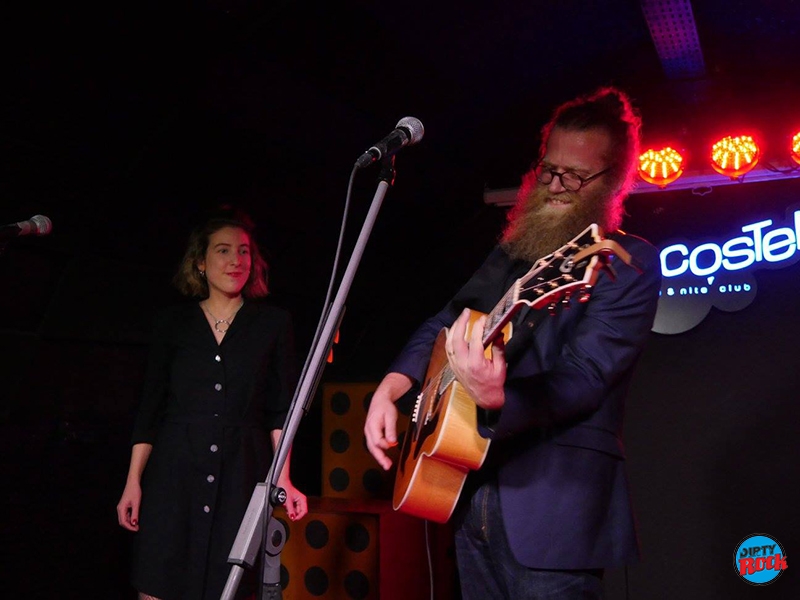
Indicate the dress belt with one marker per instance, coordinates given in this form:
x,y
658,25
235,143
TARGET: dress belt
x,y
224,420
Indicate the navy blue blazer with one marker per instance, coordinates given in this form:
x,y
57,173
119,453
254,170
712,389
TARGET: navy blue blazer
x,y
557,448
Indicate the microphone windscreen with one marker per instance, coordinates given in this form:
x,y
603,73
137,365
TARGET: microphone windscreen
x,y
41,225
414,126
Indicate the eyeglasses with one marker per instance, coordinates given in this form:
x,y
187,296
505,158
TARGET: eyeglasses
x,y
569,180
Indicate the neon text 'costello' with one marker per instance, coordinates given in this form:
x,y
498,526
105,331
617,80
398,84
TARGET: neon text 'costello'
x,y
760,245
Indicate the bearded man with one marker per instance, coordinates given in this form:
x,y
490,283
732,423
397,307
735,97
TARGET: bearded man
x,y
549,509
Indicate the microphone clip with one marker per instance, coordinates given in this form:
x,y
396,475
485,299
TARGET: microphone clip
x,y
387,172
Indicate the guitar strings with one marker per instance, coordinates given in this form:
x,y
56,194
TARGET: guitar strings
x,y
446,376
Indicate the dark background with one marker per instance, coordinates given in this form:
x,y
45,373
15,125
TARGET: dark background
x,y
123,122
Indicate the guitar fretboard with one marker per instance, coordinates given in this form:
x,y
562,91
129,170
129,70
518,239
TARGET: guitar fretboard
x,y
510,302
550,278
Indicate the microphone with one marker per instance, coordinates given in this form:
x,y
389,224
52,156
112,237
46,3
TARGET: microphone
x,y
408,131
36,225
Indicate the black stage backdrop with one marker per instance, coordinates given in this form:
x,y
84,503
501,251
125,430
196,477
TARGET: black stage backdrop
x,y
711,422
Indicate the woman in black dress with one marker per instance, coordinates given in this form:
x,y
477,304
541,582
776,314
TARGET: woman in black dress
x,y
219,383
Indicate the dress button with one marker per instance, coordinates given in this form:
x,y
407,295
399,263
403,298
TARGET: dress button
x,y
217,358
206,509
214,447
218,386
210,479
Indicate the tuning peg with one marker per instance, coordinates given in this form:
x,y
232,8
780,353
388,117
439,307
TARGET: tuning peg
x,y
552,309
566,299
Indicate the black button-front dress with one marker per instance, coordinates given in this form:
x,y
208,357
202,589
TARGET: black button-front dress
x,y
208,410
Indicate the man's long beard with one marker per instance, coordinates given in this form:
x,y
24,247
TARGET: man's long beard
x,y
533,231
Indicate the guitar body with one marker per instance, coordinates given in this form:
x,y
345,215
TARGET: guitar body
x,y
442,444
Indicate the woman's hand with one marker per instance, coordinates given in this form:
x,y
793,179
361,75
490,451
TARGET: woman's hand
x,y
128,506
296,504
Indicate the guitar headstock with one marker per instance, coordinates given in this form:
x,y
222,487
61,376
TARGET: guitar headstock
x,y
570,271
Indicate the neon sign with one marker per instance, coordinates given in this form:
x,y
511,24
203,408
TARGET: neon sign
x,y
738,253
699,276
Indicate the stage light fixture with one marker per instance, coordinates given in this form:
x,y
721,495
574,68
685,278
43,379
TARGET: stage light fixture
x,y
733,156
660,167
796,148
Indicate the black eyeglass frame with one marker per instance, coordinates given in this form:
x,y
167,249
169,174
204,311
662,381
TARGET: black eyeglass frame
x,y
540,170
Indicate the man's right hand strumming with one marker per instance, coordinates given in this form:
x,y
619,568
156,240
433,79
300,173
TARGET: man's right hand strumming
x,y
380,427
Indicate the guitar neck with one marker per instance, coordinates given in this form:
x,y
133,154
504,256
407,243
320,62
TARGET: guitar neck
x,y
501,314
572,268
495,321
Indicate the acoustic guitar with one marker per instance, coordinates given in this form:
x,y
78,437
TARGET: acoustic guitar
x,y
442,443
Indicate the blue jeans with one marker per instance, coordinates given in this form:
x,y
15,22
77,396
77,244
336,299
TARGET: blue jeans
x,y
487,568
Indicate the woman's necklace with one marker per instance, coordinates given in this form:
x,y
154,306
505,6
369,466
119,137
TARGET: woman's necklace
x,y
218,322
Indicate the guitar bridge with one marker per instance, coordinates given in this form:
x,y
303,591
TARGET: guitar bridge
x,y
415,414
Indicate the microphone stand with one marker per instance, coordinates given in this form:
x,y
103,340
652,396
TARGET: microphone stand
x,y
267,494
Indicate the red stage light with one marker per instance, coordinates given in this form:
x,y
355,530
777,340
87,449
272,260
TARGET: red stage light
x,y
660,167
735,156
796,147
